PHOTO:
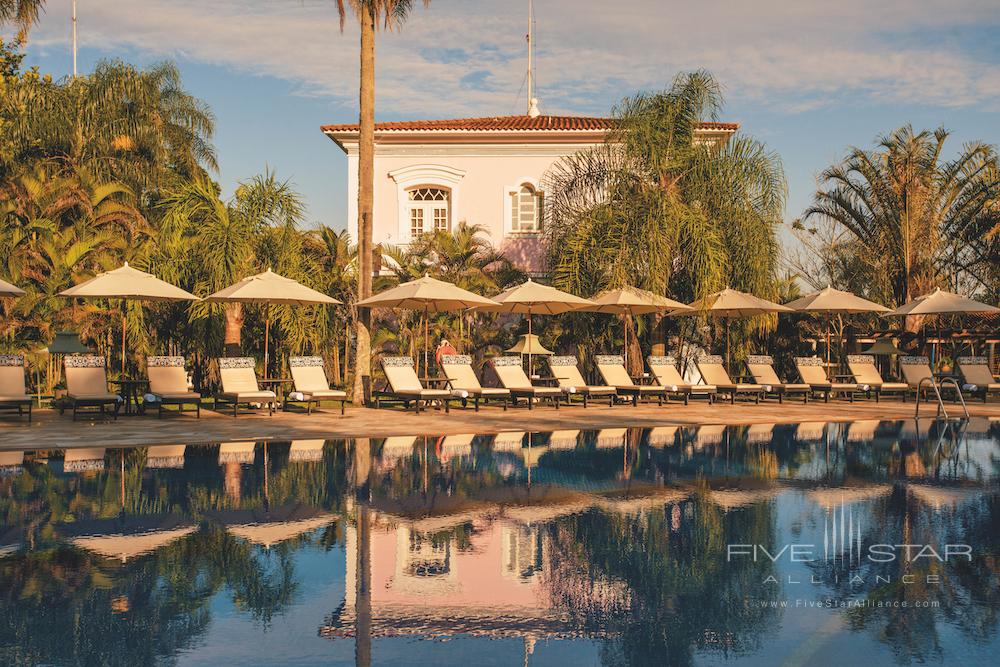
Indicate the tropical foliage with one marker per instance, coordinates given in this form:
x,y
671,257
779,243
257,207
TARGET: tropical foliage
x,y
916,220
371,15
659,207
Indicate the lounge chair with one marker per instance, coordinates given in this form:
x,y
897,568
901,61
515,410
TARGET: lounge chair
x,y
464,384
862,367
87,385
239,385
566,439
664,370
917,369
977,376
571,382
612,370
404,385
811,370
714,373
761,367
510,372
13,390
310,384
168,383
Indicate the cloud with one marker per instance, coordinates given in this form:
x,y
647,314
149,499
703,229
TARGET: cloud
x,y
468,58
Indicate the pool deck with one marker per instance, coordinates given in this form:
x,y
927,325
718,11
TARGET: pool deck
x,y
52,431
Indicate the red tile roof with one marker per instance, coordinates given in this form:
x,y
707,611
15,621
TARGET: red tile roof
x,y
507,123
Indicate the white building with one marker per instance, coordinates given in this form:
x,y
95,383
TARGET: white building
x,y
434,174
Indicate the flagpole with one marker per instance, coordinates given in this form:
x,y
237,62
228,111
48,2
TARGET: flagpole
x,y
74,39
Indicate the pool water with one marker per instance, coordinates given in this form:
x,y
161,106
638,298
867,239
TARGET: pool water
x,y
763,545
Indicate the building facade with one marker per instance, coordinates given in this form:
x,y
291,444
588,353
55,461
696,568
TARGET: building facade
x,y
433,175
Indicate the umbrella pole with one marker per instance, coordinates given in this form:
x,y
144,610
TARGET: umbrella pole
x,y
427,368
625,336
267,341
530,371
728,324
124,326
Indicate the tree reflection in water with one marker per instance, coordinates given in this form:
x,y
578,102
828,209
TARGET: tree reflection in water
x,y
609,537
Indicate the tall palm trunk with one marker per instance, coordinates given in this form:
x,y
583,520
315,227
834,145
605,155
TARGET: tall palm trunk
x,y
234,327
366,186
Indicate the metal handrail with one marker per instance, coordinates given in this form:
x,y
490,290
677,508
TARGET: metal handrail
x,y
936,386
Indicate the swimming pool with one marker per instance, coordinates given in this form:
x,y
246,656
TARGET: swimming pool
x,y
759,544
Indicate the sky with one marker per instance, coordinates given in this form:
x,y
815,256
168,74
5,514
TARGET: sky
x,y
808,77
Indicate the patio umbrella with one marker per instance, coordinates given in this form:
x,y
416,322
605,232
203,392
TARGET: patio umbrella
x,y
429,295
830,301
940,302
629,302
529,344
267,288
883,346
125,537
6,289
127,284
535,298
730,304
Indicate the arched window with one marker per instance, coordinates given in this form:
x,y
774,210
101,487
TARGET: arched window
x,y
429,210
526,209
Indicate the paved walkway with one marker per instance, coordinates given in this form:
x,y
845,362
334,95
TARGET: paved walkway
x,y
52,431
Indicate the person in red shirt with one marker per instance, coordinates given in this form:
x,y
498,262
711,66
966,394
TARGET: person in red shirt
x,y
443,348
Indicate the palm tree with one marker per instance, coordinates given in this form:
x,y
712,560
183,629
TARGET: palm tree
x,y
370,14
138,127
230,240
920,221
21,13
656,208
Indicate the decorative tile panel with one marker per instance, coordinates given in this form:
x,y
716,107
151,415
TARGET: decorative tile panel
x,y
860,359
456,359
760,360
609,360
164,362
84,361
237,362
305,362
973,361
914,361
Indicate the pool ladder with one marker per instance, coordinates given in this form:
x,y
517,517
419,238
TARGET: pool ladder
x,y
936,386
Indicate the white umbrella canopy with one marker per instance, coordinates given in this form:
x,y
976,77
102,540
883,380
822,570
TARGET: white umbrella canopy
x,y
6,289
531,298
830,300
267,288
630,301
940,302
730,304
429,295
129,284
270,287
529,345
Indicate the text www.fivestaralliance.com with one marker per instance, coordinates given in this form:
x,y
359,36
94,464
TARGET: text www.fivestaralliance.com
x,y
800,603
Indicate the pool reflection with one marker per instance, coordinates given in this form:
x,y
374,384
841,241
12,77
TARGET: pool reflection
x,y
610,547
